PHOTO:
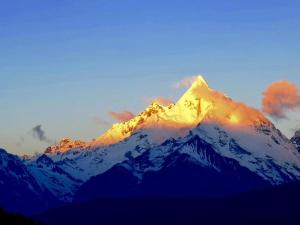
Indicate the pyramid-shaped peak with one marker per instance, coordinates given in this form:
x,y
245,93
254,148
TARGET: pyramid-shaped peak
x,y
199,84
199,81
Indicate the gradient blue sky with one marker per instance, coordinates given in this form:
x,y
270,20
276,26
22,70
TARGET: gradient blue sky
x,y
64,64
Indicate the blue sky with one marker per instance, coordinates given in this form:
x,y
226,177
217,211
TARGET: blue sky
x,y
65,64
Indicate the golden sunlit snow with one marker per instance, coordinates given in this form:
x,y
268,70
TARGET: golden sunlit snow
x,y
200,103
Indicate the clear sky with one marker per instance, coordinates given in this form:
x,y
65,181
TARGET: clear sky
x,y
64,64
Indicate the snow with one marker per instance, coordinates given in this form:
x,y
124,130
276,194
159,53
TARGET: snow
x,y
51,177
261,147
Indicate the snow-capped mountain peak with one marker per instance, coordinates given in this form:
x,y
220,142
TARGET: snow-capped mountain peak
x,y
229,131
199,103
65,145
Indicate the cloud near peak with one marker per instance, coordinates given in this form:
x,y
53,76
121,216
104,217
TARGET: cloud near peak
x,y
162,101
185,82
279,98
121,116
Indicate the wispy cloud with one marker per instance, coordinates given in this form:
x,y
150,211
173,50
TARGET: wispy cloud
x,y
121,116
159,100
162,101
39,134
101,121
279,98
185,82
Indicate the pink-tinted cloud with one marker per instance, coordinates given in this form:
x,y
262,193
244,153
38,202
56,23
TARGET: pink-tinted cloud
x,y
159,100
186,82
121,116
279,98
162,101
100,121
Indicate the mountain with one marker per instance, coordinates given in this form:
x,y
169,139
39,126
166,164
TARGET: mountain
x,y
205,144
277,205
296,140
19,190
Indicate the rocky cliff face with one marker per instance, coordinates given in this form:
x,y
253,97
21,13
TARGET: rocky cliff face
x,y
296,140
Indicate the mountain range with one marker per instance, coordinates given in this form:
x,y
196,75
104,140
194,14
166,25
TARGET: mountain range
x,y
204,145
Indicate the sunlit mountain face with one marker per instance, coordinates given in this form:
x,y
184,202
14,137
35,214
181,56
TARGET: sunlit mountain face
x,y
200,104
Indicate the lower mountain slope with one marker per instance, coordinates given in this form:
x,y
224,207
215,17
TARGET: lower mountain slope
x,y
15,219
50,176
272,206
176,168
19,190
